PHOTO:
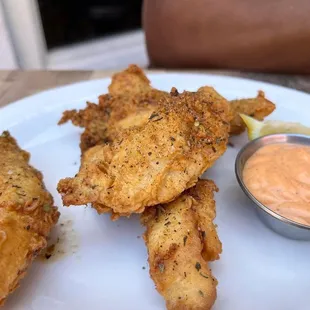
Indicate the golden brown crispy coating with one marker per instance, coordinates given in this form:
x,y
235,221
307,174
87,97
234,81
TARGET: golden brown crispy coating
x,y
219,103
131,81
154,162
258,107
94,119
203,194
27,214
131,100
181,238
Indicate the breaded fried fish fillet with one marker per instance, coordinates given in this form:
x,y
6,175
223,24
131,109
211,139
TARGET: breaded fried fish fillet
x,y
152,163
181,238
27,214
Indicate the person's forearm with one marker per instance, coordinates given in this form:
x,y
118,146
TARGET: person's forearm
x,y
238,34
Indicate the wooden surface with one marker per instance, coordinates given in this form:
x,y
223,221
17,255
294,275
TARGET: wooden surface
x,y
15,85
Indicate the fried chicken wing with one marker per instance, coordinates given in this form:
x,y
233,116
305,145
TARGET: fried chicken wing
x,y
27,214
154,162
181,238
258,107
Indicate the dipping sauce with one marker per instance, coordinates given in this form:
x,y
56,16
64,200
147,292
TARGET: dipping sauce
x,y
278,175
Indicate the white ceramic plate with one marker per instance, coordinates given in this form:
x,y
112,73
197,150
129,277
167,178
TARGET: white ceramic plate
x,y
102,267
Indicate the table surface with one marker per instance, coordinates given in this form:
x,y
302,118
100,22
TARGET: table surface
x,y
15,85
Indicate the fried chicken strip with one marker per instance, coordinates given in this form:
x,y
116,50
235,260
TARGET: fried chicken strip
x,y
27,214
181,238
152,163
258,107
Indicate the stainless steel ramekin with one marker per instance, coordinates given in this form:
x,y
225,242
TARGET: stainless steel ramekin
x,y
273,220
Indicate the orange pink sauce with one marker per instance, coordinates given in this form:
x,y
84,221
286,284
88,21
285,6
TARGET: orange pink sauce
x,y
278,175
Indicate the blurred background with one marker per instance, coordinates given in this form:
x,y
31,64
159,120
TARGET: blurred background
x,y
71,34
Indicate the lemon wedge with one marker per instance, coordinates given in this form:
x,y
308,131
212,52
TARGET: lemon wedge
x,y
257,128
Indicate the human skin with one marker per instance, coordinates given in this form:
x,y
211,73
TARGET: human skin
x,y
267,36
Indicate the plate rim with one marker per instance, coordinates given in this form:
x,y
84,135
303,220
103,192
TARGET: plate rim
x,y
85,83
36,97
